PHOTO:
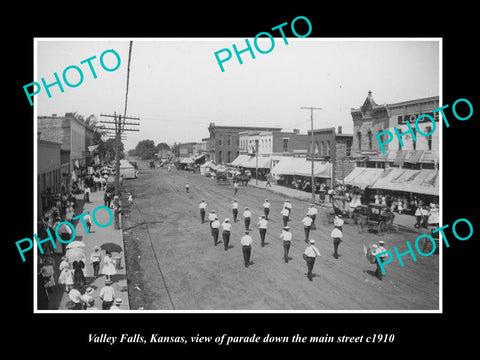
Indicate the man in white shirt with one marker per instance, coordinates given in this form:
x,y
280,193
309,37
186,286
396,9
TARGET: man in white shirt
x,y
311,252
285,213
226,228
262,228
246,218
234,210
202,206
336,235
338,222
215,230
246,242
107,294
312,212
86,194
235,185
286,235
288,205
211,218
266,208
307,223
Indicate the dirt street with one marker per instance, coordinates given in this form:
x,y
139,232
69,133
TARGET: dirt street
x,y
172,263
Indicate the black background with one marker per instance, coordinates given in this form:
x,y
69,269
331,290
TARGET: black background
x,y
414,333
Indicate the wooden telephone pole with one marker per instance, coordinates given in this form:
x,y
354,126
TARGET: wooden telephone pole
x,y
119,127
313,149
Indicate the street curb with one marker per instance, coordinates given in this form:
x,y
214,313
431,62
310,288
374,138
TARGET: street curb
x,y
120,227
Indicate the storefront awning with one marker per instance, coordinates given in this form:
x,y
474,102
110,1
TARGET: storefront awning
x,y
249,161
424,181
363,177
302,167
239,160
187,161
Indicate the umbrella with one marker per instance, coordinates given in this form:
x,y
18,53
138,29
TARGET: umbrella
x,y
75,244
75,254
111,247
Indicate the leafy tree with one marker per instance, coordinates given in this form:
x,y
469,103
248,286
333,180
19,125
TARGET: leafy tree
x,y
162,146
145,149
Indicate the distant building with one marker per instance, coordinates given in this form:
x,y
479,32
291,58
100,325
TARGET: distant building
x,y
72,133
272,146
74,136
49,174
186,149
334,147
224,142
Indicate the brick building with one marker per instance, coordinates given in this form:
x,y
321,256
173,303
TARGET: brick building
x,y
334,147
224,142
371,119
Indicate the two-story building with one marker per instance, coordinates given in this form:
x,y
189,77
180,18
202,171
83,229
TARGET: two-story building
x,y
224,141
336,148
411,169
74,135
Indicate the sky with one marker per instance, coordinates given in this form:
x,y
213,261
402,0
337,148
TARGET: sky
x,y
177,89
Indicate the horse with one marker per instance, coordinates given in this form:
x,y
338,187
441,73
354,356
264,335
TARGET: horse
x,y
242,178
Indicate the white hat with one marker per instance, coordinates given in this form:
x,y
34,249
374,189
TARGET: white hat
x,y
227,219
312,241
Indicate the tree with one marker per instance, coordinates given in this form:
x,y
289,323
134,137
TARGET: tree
x,y
162,146
145,149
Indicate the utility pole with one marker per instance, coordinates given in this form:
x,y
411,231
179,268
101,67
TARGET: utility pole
x,y
312,185
256,162
119,128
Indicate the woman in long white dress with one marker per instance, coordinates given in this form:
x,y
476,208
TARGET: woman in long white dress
x,y
66,274
108,266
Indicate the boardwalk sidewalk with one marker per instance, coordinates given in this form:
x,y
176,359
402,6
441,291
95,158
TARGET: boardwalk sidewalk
x,y
97,236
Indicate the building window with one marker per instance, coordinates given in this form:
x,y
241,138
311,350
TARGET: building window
x,y
399,145
238,152
328,147
316,147
428,129
349,148
228,157
322,148
414,143
238,141
359,136
219,160
285,145
229,140
369,134
220,141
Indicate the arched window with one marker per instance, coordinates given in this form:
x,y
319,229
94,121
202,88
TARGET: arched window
x,y
322,148
316,147
328,147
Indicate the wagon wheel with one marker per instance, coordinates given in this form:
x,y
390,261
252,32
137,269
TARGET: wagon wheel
x,y
382,227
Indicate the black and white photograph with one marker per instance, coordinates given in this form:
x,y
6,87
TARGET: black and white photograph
x,y
325,130
225,180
